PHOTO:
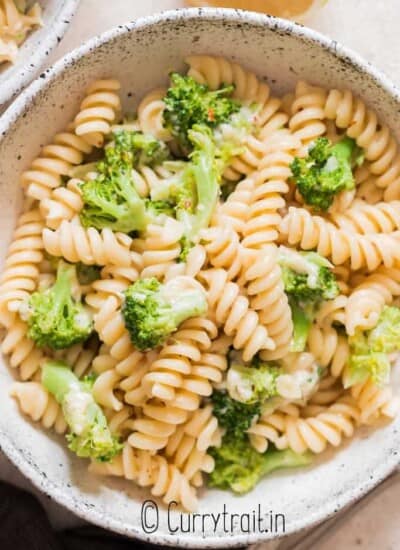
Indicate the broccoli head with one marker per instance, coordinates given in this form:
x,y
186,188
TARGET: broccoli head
x,y
370,349
325,172
89,435
239,467
235,417
188,103
111,199
307,276
249,384
152,311
55,319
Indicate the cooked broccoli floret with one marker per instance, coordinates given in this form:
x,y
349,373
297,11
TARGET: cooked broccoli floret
x,y
239,467
111,199
55,318
370,349
89,435
235,417
302,318
87,273
308,280
250,384
188,103
307,276
152,311
325,172
197,197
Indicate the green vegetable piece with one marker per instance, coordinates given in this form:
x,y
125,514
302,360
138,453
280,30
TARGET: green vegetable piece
x,y
153,311
239,467
189,103
55,319
302,321
235,417
249,384
326,171
370,349
87,274
89,435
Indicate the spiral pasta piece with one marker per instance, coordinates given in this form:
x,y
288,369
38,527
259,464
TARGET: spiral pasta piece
x,y
313,232
150,114
270,183
235,209
375,402
203,427
148,470
170,377
161,248
21,268
54,162
35,402
232,312
157,423
332,311
351,113
23,355
270,428
330,349
363,218
110,326
267,297
64,203
98,111
326,428
369,296
89,246
223,248
80,357
308,114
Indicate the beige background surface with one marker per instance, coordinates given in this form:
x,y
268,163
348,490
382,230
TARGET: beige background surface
x,y
370,27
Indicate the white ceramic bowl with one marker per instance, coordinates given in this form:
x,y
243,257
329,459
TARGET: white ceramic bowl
x,y
141,54
56,15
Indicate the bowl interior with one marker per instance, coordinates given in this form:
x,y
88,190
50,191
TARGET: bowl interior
x,y
33,51
141,55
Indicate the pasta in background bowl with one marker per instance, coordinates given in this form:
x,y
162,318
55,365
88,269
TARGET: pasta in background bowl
x,y
22,53
244,45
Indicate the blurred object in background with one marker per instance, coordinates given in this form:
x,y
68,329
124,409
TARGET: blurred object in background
x,y
280,8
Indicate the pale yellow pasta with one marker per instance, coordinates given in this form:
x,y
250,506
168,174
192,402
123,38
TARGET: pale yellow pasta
x,y
170,377
332,311
364,218
15,26
110,326
89,246
270,183
150,114
375,402
161,248
64,203
309,232
55,161
223,247
330,349
270,428
370,295
98,111
361,123
232,312
148,470
265,288
235,208
39,405
326,428
21,272
21,351
308,114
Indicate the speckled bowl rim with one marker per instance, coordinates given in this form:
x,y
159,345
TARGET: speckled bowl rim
x,y
15,454
13,86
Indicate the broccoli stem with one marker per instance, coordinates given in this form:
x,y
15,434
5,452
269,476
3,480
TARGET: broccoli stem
x,y
301,327
188,304
274,460
344,149
89,435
